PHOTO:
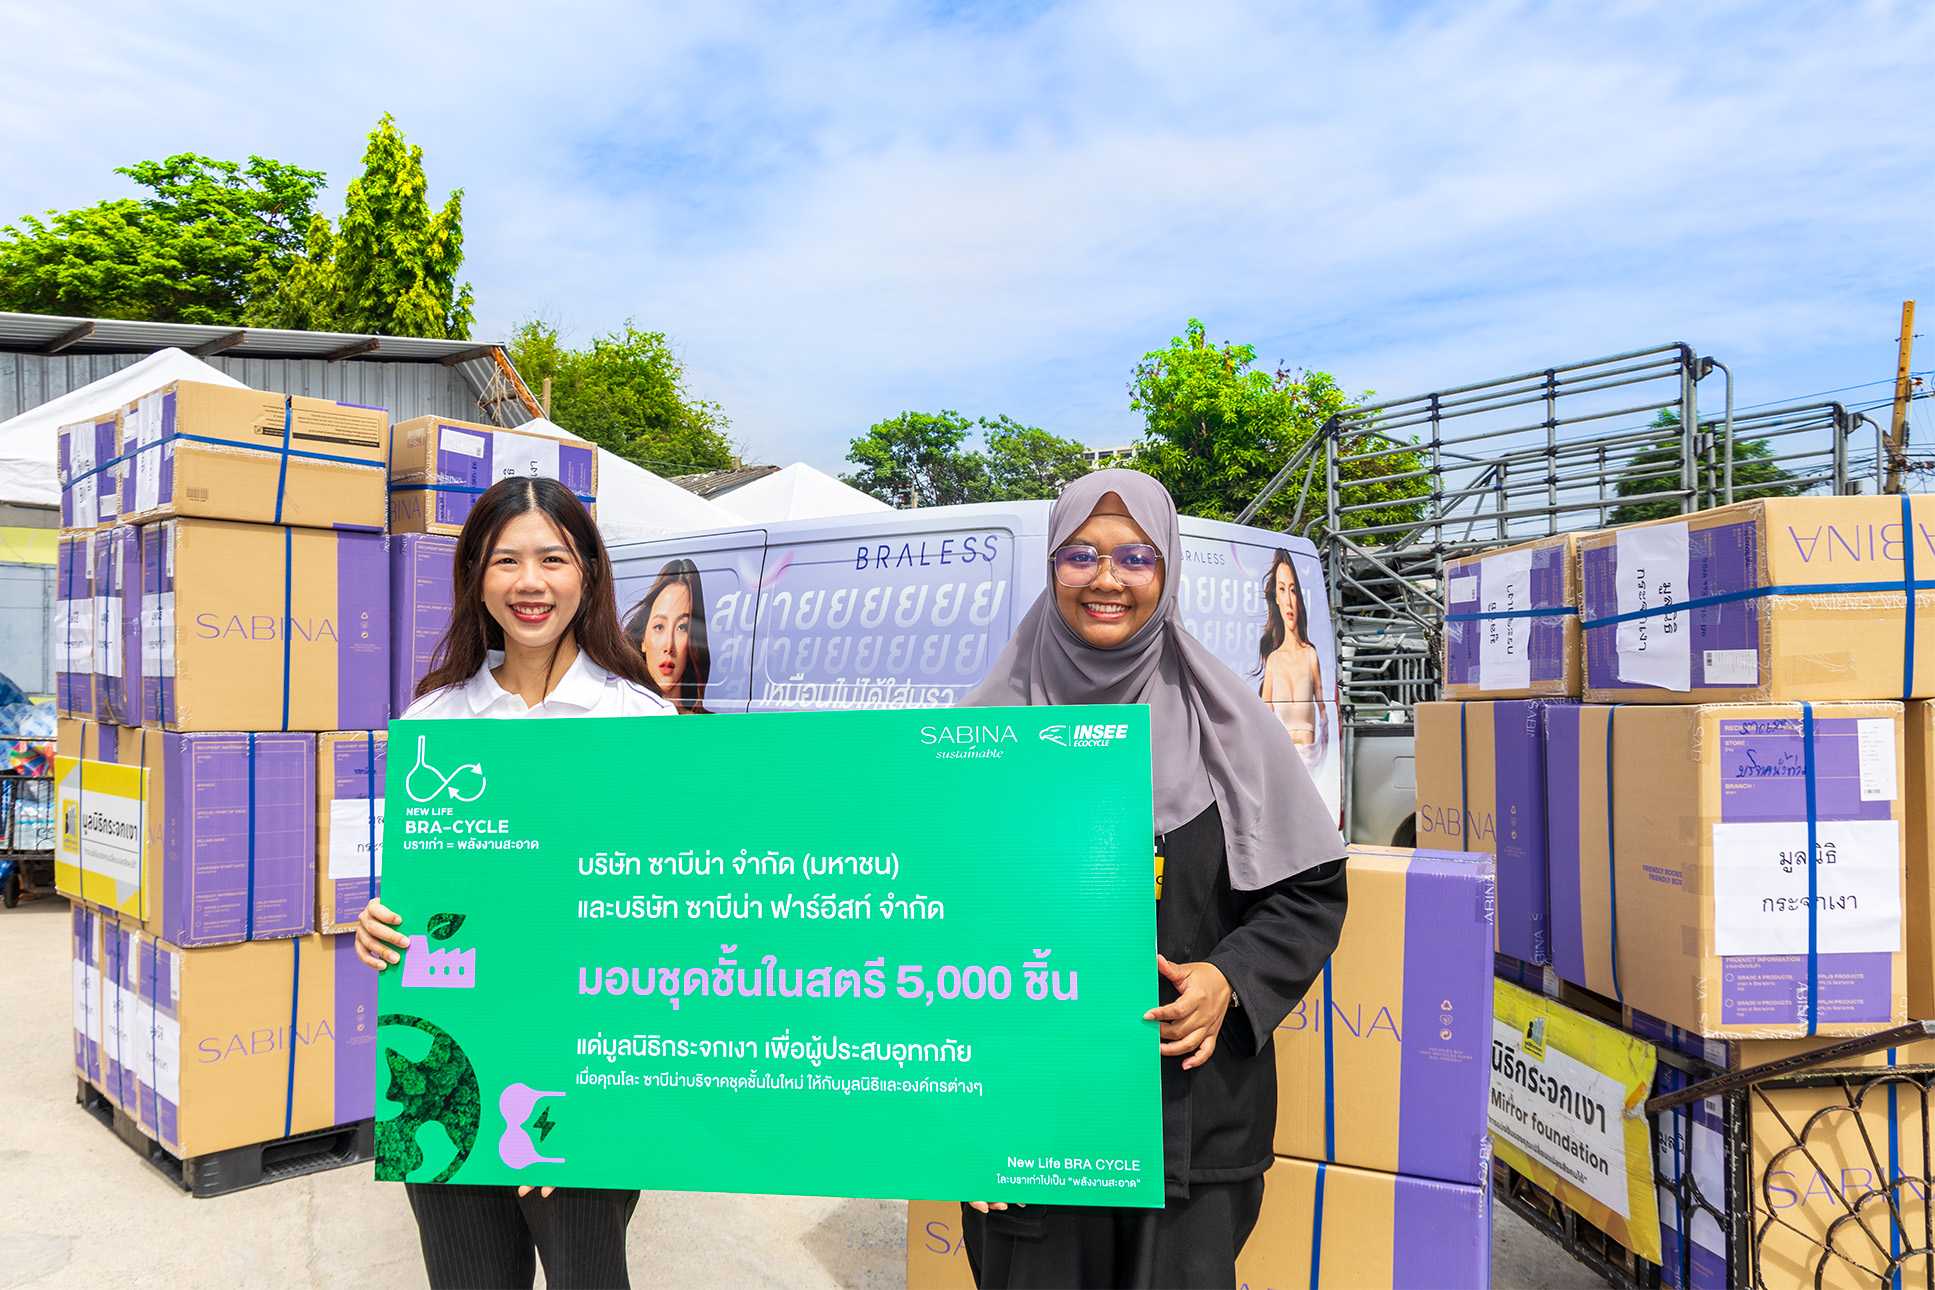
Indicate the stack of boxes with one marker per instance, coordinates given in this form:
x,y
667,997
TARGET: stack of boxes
x,y
227,611
1686,742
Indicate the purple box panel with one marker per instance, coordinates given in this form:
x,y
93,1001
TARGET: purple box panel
x,y
420,600
348,774
157,600
87,998
1763,768
1566,935
1545,637
355,1024
239,828
1518,732
1441,1236
118,1012
1722,559
471,470
73,597
1443,1065
1772,988
117,626
1689,1139
86,477
363,625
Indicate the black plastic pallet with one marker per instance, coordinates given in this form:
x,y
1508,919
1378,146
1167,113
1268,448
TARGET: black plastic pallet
x,y
239,1168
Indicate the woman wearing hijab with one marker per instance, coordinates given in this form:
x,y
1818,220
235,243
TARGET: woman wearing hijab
x,y
1250,895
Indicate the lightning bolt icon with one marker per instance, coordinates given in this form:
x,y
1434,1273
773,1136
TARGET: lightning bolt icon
x,y
543,1124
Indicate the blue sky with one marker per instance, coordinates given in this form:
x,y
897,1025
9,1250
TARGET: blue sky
x,y
838,215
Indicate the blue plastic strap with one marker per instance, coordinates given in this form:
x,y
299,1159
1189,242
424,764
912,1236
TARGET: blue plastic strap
x,y
473,489
304,453
295,996
288,612
1755,593
1478,616
154,1027
1612,865
1464,784
369,765
282,463
1908,586
249,912
1813,872
1681,1158
1317,1232
1330,1073
1894,1165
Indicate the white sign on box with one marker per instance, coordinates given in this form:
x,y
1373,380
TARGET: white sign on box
x,y
349,838
1760,900
1602,1137
523,455
1650,570
1504,656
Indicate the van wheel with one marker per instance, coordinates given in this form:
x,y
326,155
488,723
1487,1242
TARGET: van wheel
x,y
1407,833
11,896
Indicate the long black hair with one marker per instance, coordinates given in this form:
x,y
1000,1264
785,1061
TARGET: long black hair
x,y
1274,633
473,633
690,694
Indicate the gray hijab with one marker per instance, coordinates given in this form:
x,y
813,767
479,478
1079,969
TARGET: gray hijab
x,y
1213,740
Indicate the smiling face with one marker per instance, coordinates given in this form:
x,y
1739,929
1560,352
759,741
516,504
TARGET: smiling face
x,y
668,637
1286,595
1107,613
532,582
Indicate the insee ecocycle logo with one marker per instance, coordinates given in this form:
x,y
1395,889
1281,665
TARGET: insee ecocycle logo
x,y
1084,734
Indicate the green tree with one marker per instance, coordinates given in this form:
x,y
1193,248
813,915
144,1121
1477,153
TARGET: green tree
x,y
1656,469
205,240
917,459
627,393
1026,462
1216,428
390,266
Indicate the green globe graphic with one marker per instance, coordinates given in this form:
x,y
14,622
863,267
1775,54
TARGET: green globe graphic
x,y
440,1089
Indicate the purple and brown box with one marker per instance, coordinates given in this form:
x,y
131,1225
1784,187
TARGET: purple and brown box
x,y
1385,1062
1332,1227
439,466
120,1029
86,964
421,582
261,627
74,619
86,455
1481,787
1512,622
242,1044
1795,598
1693,898
223,452
349,824
117,625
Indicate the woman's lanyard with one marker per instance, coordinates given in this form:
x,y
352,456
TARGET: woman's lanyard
x,y
1162,846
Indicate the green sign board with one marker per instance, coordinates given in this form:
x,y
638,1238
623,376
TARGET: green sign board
x,y
892,954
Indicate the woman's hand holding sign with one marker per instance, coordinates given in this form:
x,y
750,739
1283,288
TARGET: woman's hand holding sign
x,y
1191,1024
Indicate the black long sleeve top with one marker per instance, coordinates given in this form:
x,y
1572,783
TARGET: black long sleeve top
x,y
1219,1119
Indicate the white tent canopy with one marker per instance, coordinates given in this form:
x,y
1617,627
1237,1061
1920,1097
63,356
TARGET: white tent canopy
x,y
29,447
798,492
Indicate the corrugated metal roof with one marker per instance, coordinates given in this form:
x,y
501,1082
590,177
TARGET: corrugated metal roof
x,y
717,483
50,334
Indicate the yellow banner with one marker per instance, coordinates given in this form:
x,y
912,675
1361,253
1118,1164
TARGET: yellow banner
x,y
1566,1093
101,822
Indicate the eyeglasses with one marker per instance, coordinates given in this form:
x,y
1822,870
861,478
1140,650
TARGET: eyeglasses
x,y
1078,564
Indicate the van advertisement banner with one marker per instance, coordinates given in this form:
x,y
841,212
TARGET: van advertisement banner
x,y
795,979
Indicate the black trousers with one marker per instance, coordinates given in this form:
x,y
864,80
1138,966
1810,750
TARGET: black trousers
x,y
489,1238
1189,1244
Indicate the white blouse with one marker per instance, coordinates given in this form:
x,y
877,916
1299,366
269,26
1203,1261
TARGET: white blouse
x,y
585,690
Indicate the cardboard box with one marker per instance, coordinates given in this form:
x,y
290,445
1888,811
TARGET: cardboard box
x,y
1844,642
1512,622
1481,787
1690,1140
216,599
117,625
440,466
74,624
1740,1054
1326,1226
350,766
88,459
422,592
1919,771
85,960
120,1031
1701,914
220,452
209,1058
936,1257
201,839
1385,1063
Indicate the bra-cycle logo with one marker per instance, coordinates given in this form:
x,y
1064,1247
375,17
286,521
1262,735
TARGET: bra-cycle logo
x,y
425,783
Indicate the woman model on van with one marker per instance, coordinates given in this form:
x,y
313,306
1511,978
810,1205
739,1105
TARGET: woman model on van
x,y
667,626
1250,883
534,633
1292,674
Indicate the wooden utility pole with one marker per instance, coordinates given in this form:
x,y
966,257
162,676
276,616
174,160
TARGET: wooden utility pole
x,y
545,398
1898,428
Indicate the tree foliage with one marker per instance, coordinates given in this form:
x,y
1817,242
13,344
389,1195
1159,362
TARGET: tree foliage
x,y
921,458
209,236
390,266
627,393
1656,469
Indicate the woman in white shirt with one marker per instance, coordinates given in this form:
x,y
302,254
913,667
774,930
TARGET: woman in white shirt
x,y
533,633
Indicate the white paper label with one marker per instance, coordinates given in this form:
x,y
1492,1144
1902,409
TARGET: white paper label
x,y
462,442
81,998
165,634
1463,589
167,1057
1651,570
1732,667
147,466
80,461
1504,656
77,646
521,454
349,838
107,656
1879,770
143,1049
1760,887
126,1010
1591,1116
95,1028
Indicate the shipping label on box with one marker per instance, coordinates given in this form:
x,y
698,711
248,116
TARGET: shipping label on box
x,y
265,628
1481,787
1384,1064
422,573
85,961
88,459
349,823
440,466
1693,898
221,452
117,630
102,843
1326,1226
1512,622
120,1016
74,622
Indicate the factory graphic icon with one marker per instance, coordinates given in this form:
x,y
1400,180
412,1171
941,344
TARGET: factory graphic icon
x,y
439,969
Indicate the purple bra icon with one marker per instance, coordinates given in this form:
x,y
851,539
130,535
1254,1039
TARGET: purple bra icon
x,y
438,969
515,1147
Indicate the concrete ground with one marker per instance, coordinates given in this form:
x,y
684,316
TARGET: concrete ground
x,y
80,1209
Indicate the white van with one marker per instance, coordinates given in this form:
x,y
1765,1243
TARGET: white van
x,y
910,608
